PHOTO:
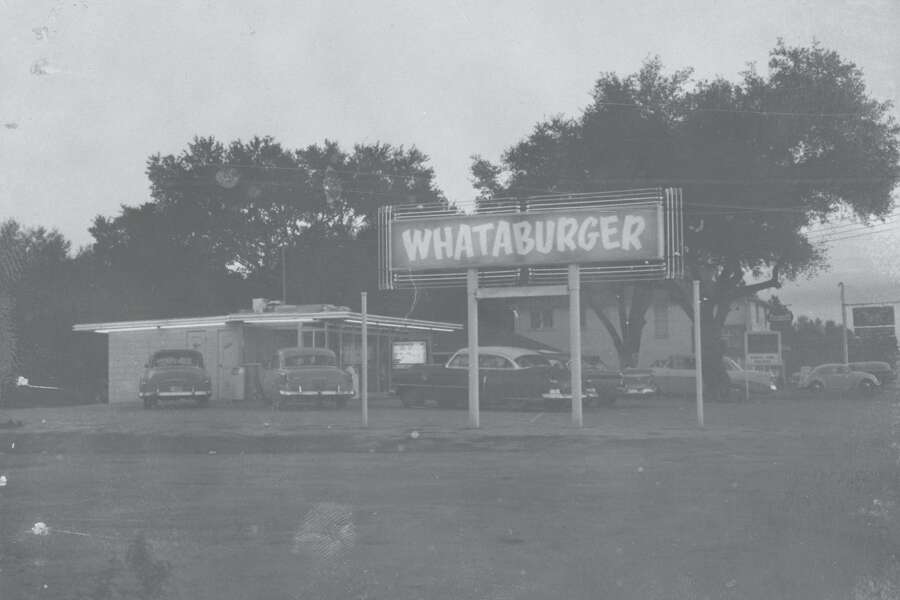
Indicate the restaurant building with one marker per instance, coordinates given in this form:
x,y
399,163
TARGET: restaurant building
x,y
234,346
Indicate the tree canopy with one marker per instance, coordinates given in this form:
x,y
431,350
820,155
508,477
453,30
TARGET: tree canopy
x,y
222,218
759,160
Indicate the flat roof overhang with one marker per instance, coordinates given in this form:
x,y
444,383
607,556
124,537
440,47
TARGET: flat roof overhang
x,y
275,320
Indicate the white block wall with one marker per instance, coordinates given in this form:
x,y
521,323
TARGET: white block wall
x,y
129,351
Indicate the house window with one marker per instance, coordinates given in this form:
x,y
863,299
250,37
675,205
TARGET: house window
x,y
661,320
542,319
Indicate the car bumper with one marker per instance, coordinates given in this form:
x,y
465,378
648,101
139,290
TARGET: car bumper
x,y
314,394
184,394
637,392
558,395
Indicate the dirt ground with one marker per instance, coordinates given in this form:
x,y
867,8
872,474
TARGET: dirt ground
x,y
789,497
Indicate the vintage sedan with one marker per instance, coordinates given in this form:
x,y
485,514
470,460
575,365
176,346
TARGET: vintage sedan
x,y
295,375
604,384
839,378
172,375
507,375
676,376
882,371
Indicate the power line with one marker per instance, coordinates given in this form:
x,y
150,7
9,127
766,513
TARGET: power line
x,y
764,113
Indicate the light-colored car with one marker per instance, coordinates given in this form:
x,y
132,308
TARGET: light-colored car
x,y
305,375
175,375
835,377
676,376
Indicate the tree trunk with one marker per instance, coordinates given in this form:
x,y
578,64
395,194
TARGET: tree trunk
x,y
716,382
7,342
631,314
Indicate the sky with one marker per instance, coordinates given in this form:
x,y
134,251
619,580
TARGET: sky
x,y
92,88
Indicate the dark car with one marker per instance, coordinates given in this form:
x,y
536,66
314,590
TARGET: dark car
x,y
881,370
172,375
508,375
305,375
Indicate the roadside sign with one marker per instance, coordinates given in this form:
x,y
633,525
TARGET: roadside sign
x,y
556,237
763,348
873,321
785,317
409,353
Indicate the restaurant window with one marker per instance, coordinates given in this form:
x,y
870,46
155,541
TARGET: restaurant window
x,y
542,319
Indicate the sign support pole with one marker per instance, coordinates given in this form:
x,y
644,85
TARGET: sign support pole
x,y
364,356
698,353
472,325
844,348
575,343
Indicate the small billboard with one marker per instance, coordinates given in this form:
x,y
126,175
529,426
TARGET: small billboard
x,y
873,321
763,348
408,353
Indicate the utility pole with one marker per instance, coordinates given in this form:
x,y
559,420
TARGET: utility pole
x,y
283,277
844,347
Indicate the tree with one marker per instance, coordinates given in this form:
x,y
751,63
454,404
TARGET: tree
x,y
759,162
10,273
225,221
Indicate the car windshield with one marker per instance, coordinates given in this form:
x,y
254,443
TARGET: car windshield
x,y
176,359
527,361
309,360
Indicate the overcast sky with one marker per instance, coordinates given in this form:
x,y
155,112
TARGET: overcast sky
x,y
92,88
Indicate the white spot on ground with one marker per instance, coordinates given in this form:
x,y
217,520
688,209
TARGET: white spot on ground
x,y
414,435
326,532
2,480
41,67
40,528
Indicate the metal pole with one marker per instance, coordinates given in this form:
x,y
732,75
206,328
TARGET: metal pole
x,y
747,324
698,353
283,277
575,343
364,358
472,307
844,348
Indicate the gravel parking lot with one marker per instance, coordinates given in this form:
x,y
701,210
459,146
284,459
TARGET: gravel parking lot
x,y
788,497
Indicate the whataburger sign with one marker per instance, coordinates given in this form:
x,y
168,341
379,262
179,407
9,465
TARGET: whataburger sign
x,y
595,235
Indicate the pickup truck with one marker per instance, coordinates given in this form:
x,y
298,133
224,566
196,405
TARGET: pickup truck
x,y
508,376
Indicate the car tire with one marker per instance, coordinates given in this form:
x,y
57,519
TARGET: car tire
x,y
817,387
340,403
150,403
202,402
867,388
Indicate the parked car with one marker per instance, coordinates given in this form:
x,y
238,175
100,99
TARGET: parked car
x,y
834,377
506,374
882,371
677,376
600,383
608,383
172,375
295,375
637,383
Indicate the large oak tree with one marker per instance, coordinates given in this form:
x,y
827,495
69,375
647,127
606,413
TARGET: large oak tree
x,y
759,159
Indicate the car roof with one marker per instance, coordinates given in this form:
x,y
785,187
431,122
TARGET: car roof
x,y
508,351
306,352
870,364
